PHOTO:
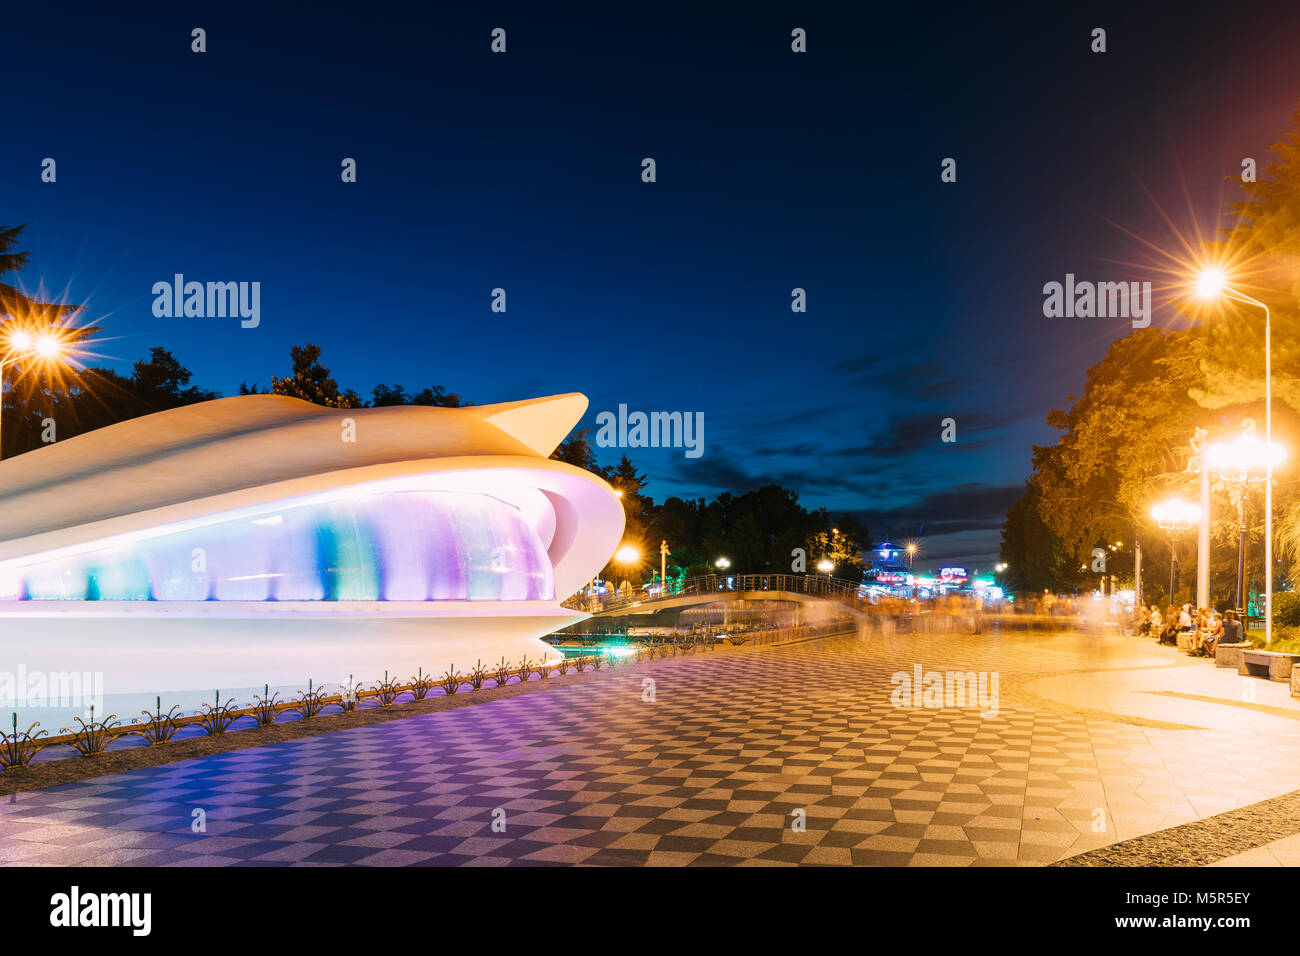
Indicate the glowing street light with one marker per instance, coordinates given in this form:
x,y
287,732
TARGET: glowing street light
x,y
722,563
1247,459
1175,516
22,344
1212,283
826,566
627,555
911,553
1242,463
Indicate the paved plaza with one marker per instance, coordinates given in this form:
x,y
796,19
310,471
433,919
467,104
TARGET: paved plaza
x,y
773,755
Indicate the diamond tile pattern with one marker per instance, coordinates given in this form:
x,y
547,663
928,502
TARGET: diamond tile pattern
x,y
737,748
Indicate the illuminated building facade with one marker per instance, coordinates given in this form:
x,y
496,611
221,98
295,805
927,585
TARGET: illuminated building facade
x,y
264,540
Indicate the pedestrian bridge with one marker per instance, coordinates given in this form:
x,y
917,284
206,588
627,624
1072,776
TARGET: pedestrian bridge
x,y
715,589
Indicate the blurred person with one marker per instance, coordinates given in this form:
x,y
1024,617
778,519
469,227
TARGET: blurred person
x,y
1232,633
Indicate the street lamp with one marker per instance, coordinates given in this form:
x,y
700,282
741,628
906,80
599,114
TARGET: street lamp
x,y
1241,463
627,555
826,566
1175,516
23,344
1210,284
722,563
911,553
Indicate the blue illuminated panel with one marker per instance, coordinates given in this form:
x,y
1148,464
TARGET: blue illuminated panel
x,y
396,546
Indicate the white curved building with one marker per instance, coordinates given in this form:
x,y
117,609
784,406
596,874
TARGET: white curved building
x,y
265,540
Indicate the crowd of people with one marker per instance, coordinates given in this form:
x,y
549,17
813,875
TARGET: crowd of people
x,y
1208,628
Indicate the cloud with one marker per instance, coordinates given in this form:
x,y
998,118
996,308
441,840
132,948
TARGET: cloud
x,y
924,376
963,508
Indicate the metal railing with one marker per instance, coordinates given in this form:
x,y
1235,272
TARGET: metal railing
x,y
814,585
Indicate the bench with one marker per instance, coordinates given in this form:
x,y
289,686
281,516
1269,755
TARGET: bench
x,y
1229,655
1272,665
1185,641
1295,682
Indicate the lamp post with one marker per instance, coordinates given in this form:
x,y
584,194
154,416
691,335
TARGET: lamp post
x,y
663,565
1175,516
1213,282
826,566
1240,463
911,553
628,555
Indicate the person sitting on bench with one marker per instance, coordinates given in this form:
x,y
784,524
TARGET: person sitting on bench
x,y
1169,633
1231,629
1211,635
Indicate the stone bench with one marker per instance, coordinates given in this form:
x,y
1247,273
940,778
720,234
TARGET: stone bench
x,y
1185,641
1295,682
1272,665
1229,655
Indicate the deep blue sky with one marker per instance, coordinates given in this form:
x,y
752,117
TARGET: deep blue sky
x,y
775,170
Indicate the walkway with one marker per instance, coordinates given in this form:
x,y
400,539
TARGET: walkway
x,y
1095,740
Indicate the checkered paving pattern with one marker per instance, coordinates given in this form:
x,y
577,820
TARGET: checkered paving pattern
x,y
736,746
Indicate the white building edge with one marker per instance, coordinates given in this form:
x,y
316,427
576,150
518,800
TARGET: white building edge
x,y
262,540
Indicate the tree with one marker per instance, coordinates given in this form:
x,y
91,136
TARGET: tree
x,y
1126,442
437,396
311,381
16,304
576,450
162,382
81,400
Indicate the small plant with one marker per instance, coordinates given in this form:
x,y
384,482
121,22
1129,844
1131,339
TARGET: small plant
x,y
93,737
596,660
544,670
524,671
386,691
348,696
216,717
308,703
267,707
502,673
421,685
160,727
18,749
451,681
563,666
477,676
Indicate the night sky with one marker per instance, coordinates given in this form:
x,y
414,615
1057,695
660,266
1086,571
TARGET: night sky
x,y
775,171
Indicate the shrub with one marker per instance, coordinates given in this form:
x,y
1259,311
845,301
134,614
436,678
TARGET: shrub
x,y
18,749
309,703
160,727
1286,609
216,717
93,737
